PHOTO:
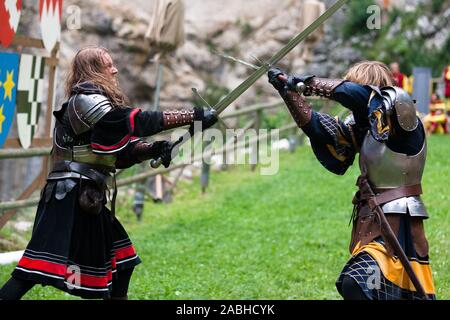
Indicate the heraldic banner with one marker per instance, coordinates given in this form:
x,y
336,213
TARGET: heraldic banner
x,y
50,12
9,70
9,20
30,96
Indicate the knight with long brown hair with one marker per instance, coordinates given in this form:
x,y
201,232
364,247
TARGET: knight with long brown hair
x,y
390,139
78,245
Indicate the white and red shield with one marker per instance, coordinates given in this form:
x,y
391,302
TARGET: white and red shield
x,y
50,12
9,20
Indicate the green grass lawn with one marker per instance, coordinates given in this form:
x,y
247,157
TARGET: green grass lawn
x,y
264,237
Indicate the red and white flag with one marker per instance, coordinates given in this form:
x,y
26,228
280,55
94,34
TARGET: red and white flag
x,y
9,20
50,13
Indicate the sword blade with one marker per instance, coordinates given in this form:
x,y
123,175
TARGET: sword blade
x,y
239,90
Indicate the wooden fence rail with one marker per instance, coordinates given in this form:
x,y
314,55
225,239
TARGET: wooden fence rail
x,y
13,153
10,205
9,208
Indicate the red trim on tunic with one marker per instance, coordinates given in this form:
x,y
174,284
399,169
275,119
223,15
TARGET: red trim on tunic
x,y
124,253
94,281
113,263
61,270
132,115
41,265
115,146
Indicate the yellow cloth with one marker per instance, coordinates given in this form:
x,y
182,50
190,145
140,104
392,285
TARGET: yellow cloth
x,y
408,84
393,270
436,106
439,118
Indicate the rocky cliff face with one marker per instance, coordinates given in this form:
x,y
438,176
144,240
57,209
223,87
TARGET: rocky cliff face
x,y
241,28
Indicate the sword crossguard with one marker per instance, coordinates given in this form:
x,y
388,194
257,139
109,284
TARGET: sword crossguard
x,y
299,87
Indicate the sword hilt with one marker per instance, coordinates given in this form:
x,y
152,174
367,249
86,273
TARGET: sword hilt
x,y
299,87
155,163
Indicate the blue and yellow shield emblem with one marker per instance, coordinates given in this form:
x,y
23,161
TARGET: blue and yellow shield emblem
x,y
9,70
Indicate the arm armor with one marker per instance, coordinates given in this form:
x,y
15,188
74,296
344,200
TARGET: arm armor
x,y
299,108
322,87
86,110
177,118
397,99
136,153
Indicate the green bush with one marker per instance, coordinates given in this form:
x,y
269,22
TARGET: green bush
x,y
356,18
410,51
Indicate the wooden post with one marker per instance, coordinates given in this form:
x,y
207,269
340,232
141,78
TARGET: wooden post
x,y
257,125
224,166
141,186
50,105
293,140
159,79
159,186
206,168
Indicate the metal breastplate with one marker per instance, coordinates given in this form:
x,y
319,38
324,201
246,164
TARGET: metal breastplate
x,y
82,154
388,169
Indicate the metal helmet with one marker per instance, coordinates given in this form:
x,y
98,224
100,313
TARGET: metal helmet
x,y
86,110
397,99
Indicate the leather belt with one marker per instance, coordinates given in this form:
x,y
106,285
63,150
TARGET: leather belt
x,y
100,176
383,195
388,195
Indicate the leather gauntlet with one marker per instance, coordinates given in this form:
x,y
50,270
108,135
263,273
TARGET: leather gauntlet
x,y
299,108
144,151
322,87
138,152
177,118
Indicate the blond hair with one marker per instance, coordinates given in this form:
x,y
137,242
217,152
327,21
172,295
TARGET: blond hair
x,y
373,73
88,66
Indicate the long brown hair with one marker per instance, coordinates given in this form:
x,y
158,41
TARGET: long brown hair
x,y
373,73
88,66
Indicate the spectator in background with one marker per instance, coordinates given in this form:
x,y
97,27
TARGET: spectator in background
x,y
446,77
436,121
398,76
